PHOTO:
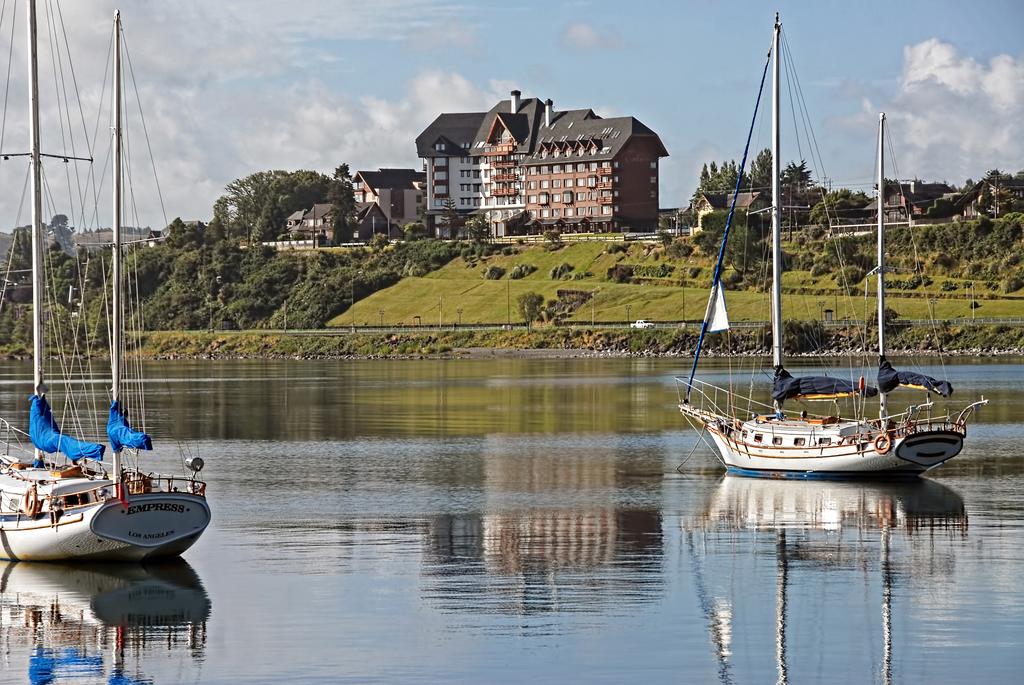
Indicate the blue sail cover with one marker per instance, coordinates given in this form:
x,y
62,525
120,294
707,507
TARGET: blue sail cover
x,y
121,433
889,379
47,437
788,386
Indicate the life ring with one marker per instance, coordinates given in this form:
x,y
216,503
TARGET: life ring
x,y
30,502
883,443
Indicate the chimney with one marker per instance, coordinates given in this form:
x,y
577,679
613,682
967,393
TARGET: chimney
x,y
913,184
548,104
515,101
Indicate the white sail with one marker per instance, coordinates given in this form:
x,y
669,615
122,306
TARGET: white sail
x,y
718,317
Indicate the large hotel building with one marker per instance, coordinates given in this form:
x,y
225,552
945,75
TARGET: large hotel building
x,y
529,168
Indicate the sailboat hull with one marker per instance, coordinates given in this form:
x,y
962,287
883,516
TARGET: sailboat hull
x,y
157,525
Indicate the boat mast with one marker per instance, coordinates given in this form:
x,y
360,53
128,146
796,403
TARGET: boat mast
x,y
882,409
38,282
116,305
776,208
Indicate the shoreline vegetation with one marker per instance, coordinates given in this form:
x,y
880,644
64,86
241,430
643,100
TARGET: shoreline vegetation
x,y
809,340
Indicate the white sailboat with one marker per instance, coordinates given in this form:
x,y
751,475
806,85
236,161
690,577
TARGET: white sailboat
x,y
50,510
775,444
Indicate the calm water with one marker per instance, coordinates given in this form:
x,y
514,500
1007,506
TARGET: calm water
x,y
523,520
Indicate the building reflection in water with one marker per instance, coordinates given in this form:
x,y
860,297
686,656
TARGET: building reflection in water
x,y
816,527
548,538
100,623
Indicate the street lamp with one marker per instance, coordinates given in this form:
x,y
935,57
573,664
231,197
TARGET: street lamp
x,y
629,308
459,312
380,312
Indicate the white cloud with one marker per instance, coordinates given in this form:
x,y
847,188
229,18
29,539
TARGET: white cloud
x,y
954,117
584,37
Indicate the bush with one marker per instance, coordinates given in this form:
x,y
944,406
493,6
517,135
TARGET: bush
x,y
561,271
653,270
621,273
679,249
617,248
493,272
850,275
820,268
665,238
948,286
530,306
521,271
1013,284
553,240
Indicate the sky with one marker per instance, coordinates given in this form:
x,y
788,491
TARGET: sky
x,y
236,86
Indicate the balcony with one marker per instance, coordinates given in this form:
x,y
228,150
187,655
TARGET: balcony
x,y
505,192
504,164
604,171
605,185
501,149
505,177
605,200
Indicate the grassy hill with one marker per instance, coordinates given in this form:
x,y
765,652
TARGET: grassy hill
x,y
671,284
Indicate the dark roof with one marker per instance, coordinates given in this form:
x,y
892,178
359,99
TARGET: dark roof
x,y
522,125
724,200
392,178
453,129
364,209
319,211
583,126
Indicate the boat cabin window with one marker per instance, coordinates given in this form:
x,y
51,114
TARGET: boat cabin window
x,y
799,442
758,437
777,440
824,441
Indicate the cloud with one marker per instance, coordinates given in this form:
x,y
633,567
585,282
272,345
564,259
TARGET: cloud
x,y
585,38
229,88
953,117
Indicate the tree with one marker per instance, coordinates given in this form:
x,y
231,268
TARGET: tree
x,y
760,175
797,175
450,220
530,306
62,233
840,202
341,195
255,207
414,230
478,229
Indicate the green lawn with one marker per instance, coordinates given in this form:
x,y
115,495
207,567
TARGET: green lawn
x,y
461,285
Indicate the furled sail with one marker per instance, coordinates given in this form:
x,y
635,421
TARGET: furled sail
x,y
718,317
46,435
121,433
889,379
788,387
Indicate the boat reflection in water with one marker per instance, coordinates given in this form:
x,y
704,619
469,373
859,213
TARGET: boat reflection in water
x,y
819,533
100,623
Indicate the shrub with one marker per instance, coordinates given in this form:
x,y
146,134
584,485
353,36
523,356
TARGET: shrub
x,y
851,275
530,306
653,270
616,248
665,238
493,272
679,249
948,286
1013,284
621,273
521,271
561,271
553,240
820,268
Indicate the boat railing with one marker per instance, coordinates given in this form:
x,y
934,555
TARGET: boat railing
x,y
139,483
13,438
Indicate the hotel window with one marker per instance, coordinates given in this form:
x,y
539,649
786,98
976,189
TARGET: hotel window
x,y
556,169
615,165
439,146
654,179
532,185
476,174
568,183
654,164
545,170
581,167
557,183
606,210
544,198
654,194
476,187
555,213
532,199
438,203
566,197
568,211
592,211
580,197
593,166
441,161
545,184
545,213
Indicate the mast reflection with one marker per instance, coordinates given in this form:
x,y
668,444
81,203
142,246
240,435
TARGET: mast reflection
x,y
821,526
101,622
